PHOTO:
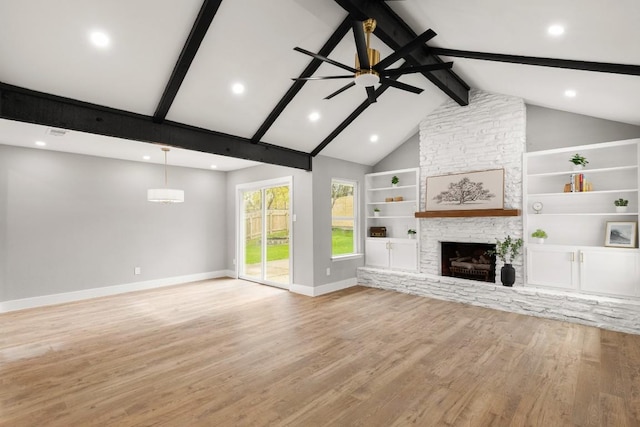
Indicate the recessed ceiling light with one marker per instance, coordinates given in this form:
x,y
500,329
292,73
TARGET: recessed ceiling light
x,y
146,157
314,116
99,39
556,30
570,93
41,143
237,88
214,166
373,138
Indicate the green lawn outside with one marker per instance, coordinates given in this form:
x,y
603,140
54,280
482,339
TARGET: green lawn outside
x,y
274,252
342,241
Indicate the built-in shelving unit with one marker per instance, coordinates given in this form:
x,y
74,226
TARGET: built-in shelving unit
x,y
575,256
398,250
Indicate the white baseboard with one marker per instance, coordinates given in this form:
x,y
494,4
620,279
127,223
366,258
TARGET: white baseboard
x,y
323,289
21,304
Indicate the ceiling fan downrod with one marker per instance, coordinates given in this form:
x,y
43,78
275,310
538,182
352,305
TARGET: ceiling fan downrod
x,y
368,77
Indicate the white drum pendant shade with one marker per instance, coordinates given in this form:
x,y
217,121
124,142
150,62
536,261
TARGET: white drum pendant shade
x,y
165,195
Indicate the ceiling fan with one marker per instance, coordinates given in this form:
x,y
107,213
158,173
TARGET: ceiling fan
x,y
369,70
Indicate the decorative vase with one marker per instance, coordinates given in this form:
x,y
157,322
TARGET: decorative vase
x,y
508,275
394,185
578,167
376,214
412,236
621,209
538,240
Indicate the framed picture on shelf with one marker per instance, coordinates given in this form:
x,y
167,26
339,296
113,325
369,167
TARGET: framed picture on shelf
x,y
621,234
466,191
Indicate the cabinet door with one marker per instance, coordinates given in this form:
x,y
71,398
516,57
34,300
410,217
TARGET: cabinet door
x,y
404,255
377,253
549,266
611,272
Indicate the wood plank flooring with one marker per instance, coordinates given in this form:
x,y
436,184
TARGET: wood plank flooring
x,y
233,353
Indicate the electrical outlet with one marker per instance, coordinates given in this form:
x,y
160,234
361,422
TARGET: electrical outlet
x,y
137,271
328,271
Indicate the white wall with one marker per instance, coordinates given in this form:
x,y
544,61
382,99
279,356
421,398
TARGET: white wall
x,y
302,208
71,222
324,169
404,157
548,128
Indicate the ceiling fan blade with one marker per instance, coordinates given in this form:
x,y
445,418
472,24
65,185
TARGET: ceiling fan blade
x,y
325,59
406,49
417,69
403,86
361,45
371,94
323,78
339,91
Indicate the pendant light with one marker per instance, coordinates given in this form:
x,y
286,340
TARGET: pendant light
x,y
165,195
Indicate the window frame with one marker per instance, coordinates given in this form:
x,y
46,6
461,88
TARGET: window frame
x,y
355,218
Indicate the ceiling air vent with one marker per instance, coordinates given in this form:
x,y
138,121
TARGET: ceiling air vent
x,y
57,132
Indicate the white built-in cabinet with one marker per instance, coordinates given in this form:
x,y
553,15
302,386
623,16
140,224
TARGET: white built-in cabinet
x,y
398,250
574,256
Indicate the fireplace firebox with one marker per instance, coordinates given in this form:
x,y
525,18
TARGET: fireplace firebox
x,y
468,261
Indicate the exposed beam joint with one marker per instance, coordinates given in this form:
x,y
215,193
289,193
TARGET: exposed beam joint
x,y
395,33
313,66
198,31
25,105
602,67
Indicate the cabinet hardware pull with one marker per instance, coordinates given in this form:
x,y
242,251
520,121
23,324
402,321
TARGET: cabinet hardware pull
x,y
573,256
581,256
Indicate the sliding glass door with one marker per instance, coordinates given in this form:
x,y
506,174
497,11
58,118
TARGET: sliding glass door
x,y
264,241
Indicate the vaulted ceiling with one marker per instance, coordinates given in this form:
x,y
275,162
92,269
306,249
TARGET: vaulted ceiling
x,y
167,73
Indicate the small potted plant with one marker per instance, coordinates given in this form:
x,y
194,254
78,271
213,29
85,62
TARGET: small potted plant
x,y
394,181
621,205
412,233
579,162
538,236
507,250
376,212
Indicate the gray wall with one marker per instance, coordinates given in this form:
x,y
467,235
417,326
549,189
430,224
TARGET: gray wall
x,y
302,208
548,128
405,156
70,222
324,169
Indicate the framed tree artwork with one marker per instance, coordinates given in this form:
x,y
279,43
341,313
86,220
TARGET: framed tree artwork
x,y
466,191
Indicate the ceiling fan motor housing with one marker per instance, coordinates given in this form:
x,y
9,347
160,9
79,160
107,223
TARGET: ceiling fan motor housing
x,y
368,77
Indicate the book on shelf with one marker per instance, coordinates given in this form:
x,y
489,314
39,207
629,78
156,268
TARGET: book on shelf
x,y
578,183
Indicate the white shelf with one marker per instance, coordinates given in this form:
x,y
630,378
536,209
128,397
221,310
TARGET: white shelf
x,y
392,203
391,216
583,193
584,171
586,214
399,187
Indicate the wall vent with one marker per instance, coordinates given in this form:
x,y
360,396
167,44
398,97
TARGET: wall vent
x,y
57,132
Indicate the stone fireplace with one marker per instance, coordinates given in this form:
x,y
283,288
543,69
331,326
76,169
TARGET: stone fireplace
x,y
468,261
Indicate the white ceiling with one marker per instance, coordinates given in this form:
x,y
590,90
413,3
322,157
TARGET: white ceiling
x,y
45,47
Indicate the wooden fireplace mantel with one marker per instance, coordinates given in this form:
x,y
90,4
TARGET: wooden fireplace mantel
x,y
468,213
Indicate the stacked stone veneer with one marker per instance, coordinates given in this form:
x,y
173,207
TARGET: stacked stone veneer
x,y
489,133
608,313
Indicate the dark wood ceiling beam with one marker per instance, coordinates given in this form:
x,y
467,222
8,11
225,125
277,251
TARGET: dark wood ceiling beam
x,y
395,33
313,66
198,31
25,105
603,67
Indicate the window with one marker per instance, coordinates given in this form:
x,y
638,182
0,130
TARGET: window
x,y
344,219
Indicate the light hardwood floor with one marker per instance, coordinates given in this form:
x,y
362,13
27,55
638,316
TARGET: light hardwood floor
x,y
227,352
